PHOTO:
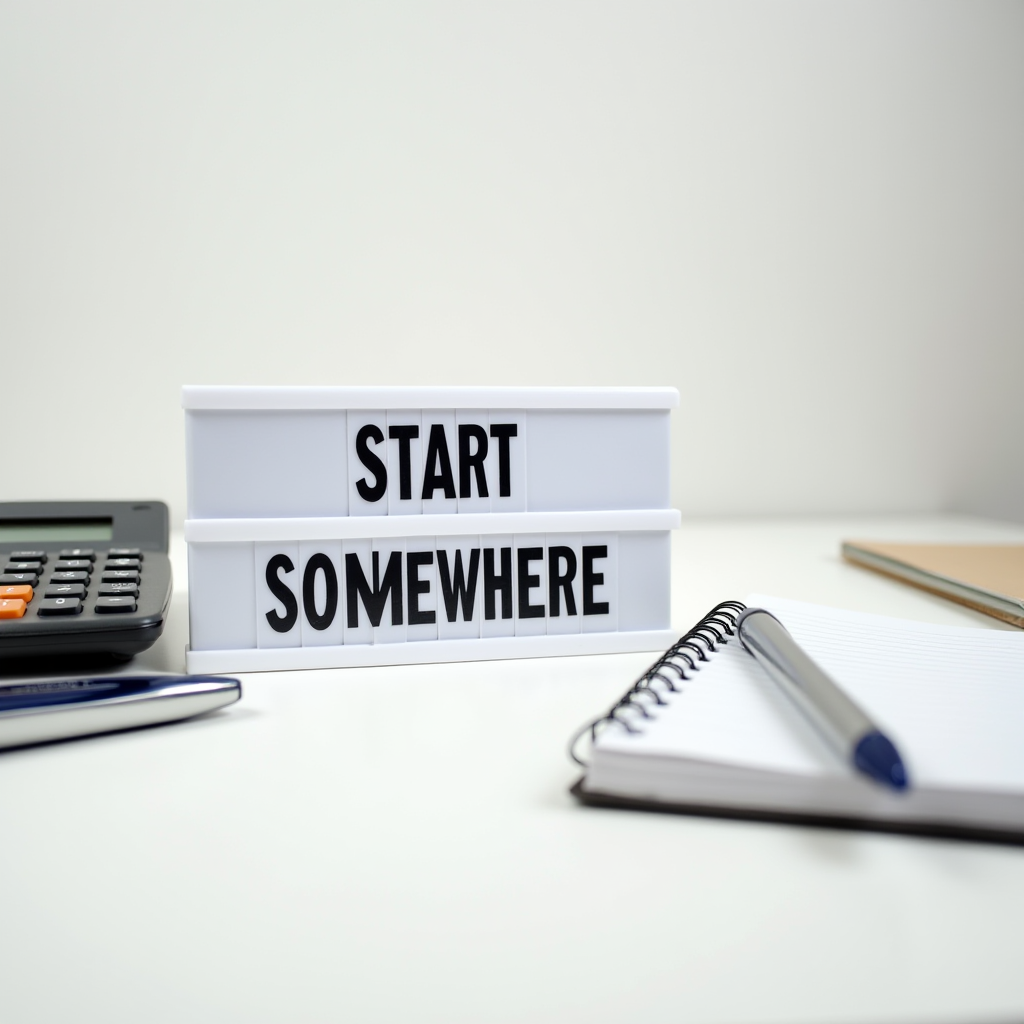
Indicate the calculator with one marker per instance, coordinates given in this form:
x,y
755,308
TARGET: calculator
x,y
82,578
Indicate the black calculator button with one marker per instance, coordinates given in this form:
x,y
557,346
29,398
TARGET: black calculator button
x,y
114,589
27,556
60,606
36,567
65,590
120,576
73,565
123,553
122,563
69,577
122,603
78,553
19,577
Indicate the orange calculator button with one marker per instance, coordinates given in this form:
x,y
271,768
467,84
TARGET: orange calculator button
x,y
12,608
16,592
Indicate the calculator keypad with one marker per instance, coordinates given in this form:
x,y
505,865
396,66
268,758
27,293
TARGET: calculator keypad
x,y
66,582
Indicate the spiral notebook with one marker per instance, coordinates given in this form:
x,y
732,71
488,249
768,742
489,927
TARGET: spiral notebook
x,y
705,731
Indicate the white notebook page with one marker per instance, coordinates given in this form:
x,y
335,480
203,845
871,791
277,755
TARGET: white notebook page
x,y
951,699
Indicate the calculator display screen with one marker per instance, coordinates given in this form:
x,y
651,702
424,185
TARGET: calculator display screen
x,y
43,530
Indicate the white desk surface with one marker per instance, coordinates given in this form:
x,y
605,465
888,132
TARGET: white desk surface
x,y
398,844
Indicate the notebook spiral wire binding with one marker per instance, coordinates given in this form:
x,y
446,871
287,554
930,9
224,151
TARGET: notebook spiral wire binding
x,y
685,655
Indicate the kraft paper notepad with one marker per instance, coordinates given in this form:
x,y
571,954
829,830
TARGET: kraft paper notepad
x,y
986,577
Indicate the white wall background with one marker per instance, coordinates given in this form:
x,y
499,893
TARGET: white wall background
x,y
809,217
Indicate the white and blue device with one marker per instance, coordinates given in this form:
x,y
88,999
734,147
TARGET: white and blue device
x,y
338,526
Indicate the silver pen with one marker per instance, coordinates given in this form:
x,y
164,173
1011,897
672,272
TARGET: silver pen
x,y
846,727
39,711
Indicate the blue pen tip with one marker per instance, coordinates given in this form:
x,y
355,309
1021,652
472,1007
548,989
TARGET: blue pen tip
x,y
876,756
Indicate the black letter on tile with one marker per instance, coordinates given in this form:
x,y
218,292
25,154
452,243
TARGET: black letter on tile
x,y
458,586
468,432
416,586
281,590
404,434
527,582
372,463
435,475
373,600
502,583
561,581
593,579
319,561
503,431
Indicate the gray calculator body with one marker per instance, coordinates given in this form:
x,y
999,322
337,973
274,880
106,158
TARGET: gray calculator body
x,y
99,574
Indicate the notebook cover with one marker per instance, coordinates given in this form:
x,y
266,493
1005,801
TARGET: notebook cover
x,y
937,830
986,577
